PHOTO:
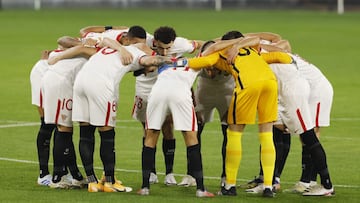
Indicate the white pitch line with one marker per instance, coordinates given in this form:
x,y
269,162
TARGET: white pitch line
x,y
11,123
18,125
24,124
160,173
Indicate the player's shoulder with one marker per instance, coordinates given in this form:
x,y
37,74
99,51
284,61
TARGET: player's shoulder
x,y
181,40
135,51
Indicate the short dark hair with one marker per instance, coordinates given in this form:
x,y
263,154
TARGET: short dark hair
x,y
136,31
165,34
206,45
232,35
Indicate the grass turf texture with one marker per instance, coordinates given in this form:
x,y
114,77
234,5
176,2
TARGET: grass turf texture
x,y
326,39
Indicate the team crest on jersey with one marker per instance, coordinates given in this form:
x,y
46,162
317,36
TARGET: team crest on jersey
x,y
64,117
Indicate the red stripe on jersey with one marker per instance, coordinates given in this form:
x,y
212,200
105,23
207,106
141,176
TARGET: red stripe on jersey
x,y
85,34
41,99
153,53
107,114
193,122
134,106
317,115
118,38
58,111
301,120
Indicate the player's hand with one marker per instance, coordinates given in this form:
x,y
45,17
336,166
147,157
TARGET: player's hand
x,y
45,54
53,60
88,42
125,56
231,54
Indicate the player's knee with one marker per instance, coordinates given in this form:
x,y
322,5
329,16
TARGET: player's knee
x,y
309,138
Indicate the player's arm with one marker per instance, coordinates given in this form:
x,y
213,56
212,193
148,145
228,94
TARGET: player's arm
x,y
236,43
67,41
203,61
233,51
99,29
71,53
269,36
156,61
152,63
277,57
144,47
284,45
197,44
125,56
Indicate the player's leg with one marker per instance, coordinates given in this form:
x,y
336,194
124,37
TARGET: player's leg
x,y
267,114
267,154
139,113
195,162
148,157
66,134
86,149
153,176
168,147
43,141
282,147
59,171
224,127
313,173
237,114
233,158
318,157
188,180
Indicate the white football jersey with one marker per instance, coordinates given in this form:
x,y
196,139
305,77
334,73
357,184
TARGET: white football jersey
x,y
106,63
308,70
37,73
67,68
112,34
181,45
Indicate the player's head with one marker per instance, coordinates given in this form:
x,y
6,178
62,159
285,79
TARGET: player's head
x,y
211,72
206,45
163,39
136,34
234,34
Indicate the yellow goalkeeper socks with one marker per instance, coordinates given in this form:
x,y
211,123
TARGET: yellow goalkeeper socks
x,y
233,156
267,156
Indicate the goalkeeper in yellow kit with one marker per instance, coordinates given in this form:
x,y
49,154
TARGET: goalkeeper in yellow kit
x,y
255,93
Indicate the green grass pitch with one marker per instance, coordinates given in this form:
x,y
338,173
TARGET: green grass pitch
x,y
326,39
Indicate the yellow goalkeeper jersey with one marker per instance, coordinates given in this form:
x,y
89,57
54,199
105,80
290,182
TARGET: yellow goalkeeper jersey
x,y
249,67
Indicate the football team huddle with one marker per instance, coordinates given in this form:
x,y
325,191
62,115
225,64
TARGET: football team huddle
x,y
247,77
